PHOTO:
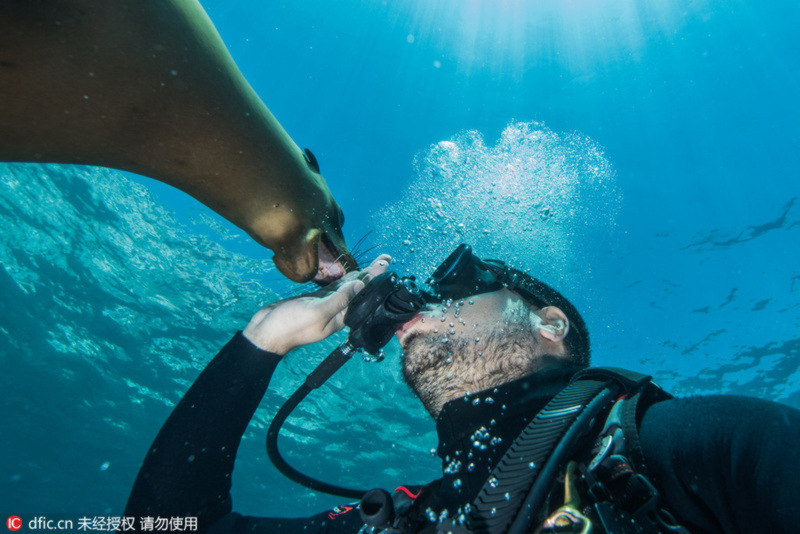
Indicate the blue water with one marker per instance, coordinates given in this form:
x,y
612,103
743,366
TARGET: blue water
x,y
642,157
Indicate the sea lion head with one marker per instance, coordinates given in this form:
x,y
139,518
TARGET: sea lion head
x,y
313,247
317,251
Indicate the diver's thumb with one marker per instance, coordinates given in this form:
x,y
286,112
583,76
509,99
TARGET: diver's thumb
x,y
339,300
349,290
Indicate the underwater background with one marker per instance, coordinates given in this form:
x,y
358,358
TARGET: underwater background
x,y
642,156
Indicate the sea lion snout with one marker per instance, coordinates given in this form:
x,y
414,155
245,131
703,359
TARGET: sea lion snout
x,y
318,254
334,260
319,257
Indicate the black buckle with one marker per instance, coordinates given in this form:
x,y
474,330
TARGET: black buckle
x,y
639,495
650,513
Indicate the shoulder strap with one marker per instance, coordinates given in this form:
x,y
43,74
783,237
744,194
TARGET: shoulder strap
x,y
512,497
630,381
632,412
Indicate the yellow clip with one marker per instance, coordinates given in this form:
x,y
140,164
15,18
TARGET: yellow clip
x,y
568,519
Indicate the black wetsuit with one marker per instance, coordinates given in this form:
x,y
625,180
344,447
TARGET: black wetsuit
x,y
721,463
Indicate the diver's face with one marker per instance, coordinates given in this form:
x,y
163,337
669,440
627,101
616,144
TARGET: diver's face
x,y
468,345
477,343
460,318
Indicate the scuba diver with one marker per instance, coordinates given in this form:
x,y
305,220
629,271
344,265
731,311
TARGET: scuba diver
x,y
545,443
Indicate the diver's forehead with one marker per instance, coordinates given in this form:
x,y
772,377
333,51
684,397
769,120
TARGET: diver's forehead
x,y
490,301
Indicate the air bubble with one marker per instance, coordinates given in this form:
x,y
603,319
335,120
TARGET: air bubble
x,y
526,162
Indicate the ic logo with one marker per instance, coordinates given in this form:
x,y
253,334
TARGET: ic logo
x,y
14,523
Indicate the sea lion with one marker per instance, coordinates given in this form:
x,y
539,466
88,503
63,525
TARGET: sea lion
x,y
148,86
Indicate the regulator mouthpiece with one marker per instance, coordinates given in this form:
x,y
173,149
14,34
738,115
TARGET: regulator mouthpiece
x,y
380,309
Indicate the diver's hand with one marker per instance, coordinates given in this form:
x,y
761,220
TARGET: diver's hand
x,y
287,324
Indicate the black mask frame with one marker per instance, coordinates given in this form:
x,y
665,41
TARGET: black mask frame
x,y
463,274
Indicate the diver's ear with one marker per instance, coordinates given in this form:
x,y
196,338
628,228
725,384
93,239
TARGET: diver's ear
x,y
554,324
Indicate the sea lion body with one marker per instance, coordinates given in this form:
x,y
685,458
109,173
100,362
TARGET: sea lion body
x,y
148,86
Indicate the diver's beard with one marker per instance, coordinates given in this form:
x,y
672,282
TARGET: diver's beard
x,y
439,371
430,367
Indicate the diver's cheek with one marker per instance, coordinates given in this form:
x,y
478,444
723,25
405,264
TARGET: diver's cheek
x,y
408,327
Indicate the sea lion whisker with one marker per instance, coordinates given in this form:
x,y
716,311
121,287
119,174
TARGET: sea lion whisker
x,y
299,290
361,244
363,254
360,241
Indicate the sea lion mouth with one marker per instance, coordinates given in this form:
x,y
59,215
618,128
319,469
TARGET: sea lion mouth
x,y
332,263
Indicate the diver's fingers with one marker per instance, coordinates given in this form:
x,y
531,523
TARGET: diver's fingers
x,y
336,323
378,266
383,259
334,306
381,262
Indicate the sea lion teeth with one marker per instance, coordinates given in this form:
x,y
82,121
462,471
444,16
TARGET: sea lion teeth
x,y
330,268
148,86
